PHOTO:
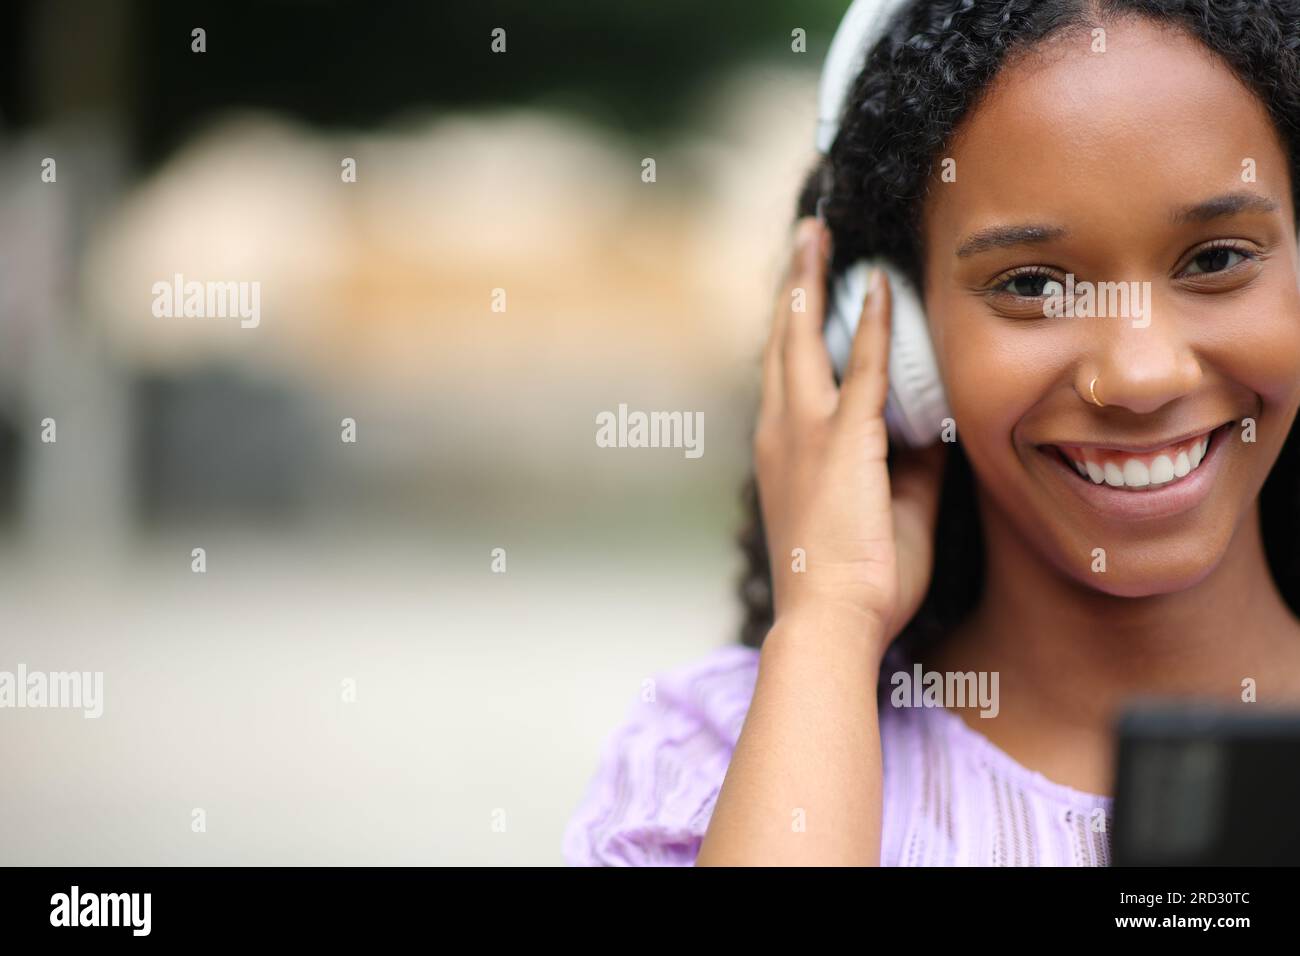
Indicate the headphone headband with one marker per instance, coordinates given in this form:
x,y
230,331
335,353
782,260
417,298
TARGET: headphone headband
x,y
861,28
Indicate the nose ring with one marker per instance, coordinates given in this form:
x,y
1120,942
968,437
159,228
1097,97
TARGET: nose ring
x,y
1093,393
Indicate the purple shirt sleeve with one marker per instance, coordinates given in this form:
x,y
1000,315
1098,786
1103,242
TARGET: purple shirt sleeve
x,y
660,771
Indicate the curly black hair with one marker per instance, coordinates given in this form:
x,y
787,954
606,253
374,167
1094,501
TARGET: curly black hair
x,y
928,71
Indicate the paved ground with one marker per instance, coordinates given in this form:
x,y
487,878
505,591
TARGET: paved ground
x,y
475,693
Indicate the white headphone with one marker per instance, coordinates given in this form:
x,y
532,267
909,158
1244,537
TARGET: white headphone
x,y
916,405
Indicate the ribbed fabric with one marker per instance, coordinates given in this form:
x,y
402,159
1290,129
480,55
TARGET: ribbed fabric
x,y
951,797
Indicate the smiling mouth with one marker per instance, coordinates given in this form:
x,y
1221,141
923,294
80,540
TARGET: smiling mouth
x,y
1137,472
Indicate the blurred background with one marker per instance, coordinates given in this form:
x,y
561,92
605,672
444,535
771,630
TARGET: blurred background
x,y
480,697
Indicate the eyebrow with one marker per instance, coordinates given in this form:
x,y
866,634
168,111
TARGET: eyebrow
x,y
997,237
1226,205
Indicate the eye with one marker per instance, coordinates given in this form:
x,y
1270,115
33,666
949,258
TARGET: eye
x,y
1217,258
1029,283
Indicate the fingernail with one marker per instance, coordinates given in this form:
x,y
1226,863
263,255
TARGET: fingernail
x,y
873,281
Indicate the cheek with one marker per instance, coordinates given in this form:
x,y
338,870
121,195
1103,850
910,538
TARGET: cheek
x,y
1258,349
994,375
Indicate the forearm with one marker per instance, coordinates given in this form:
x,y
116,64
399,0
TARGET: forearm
x,y
804,783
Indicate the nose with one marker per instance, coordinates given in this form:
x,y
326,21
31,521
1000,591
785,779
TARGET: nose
x,y
1140,367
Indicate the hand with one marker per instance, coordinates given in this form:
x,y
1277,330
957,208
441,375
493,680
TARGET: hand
x,y
820,457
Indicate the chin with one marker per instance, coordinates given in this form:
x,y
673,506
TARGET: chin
x,y
1149,579
1135,569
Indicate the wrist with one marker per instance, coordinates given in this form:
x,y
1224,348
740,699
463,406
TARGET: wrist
x,y
829,625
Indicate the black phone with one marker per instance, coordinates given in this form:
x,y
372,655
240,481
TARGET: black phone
x,y
1202,785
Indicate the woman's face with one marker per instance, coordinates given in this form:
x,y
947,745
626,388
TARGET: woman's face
x,y
1151,165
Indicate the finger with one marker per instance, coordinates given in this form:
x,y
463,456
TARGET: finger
x,y
773,353
916,478
809,378
866,374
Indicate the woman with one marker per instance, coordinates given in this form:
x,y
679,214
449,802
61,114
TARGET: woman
x,y
994,152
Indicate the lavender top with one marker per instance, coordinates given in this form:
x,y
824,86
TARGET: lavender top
x,y
951,797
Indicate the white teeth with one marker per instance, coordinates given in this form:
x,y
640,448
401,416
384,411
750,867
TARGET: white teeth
x,y
1162,470
1135,473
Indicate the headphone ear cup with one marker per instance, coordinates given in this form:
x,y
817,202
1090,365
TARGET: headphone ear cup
x,y
916,405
